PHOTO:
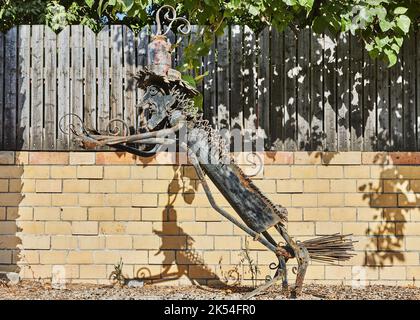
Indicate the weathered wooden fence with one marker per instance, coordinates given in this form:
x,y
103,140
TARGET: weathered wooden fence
x,y
304,92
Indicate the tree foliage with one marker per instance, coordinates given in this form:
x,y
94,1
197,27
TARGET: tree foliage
x,y
381,24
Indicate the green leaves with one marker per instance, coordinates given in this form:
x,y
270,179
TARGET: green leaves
x,y
90,3
403,22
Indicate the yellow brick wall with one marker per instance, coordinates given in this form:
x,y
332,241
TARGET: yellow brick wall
x,y
83,211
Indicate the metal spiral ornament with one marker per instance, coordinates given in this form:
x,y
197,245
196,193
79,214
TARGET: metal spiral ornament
x,y
75,125
170,16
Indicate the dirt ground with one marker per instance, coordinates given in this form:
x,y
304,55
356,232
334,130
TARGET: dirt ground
x,y
33,290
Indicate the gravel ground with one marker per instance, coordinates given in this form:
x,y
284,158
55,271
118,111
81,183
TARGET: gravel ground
x,y
35,290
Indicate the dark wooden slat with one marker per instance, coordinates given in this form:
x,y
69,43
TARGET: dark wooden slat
x,y
382,98
263,98
303,89
209,87
63,85
23,78
50,89
369,103
37,103
417,40
277,90
223,80
103,78
10,94
330,92
236,98
356,91
317,96
2,40
76,75
409,93
396,105
117,49
250,79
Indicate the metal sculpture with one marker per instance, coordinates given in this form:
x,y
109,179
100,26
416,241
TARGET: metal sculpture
x,y
165,110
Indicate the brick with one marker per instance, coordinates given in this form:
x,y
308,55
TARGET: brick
x,y
129,186
392,273
128,214
307,157
301,228
73,213
53,227
369,214
30,227
112,228
338,272
10,241
146,242
5,257
2,213
278,157
316,185
266,185
331,200
356,228
80,257
93,272
118,200
329,172
163,259
302,200
289,186
356,200
12,172
222,242
22,185
7,157
4,185
374,157
62,200
8,227
102,186
343,214
406,201
145,200
316,214
295,214
75,186
207,214
198,272
357,172
219,228
37,272
21,157
34,172
52,257
90,172
64,242
168,172
101,213
35,242
323,228
303,172
141,227
340,158
395,214
85,227
90,243
413,272
383,200
134,256
283,199
193,228
92,200
175,242
13,199
412,243
144,173
63,172
82,158
108,158
119,242
278,172
117,172
21,213
410,229
343,185
49,157
46,213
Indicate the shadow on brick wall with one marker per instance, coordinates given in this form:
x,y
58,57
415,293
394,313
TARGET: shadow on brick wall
x,y
187,261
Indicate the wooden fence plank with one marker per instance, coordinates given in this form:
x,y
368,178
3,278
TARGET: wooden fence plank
x,y
63,86
141,52
223,80
277,90
382,98
37,94
76,75
116,74
369,103
409,94
330,92
209,87
317,94
263,85
90,79
2,40
10,94
103,78
128,76
343,92
23,78
303,89
356,90
250,78
396,105
417,57
236,98
50,76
